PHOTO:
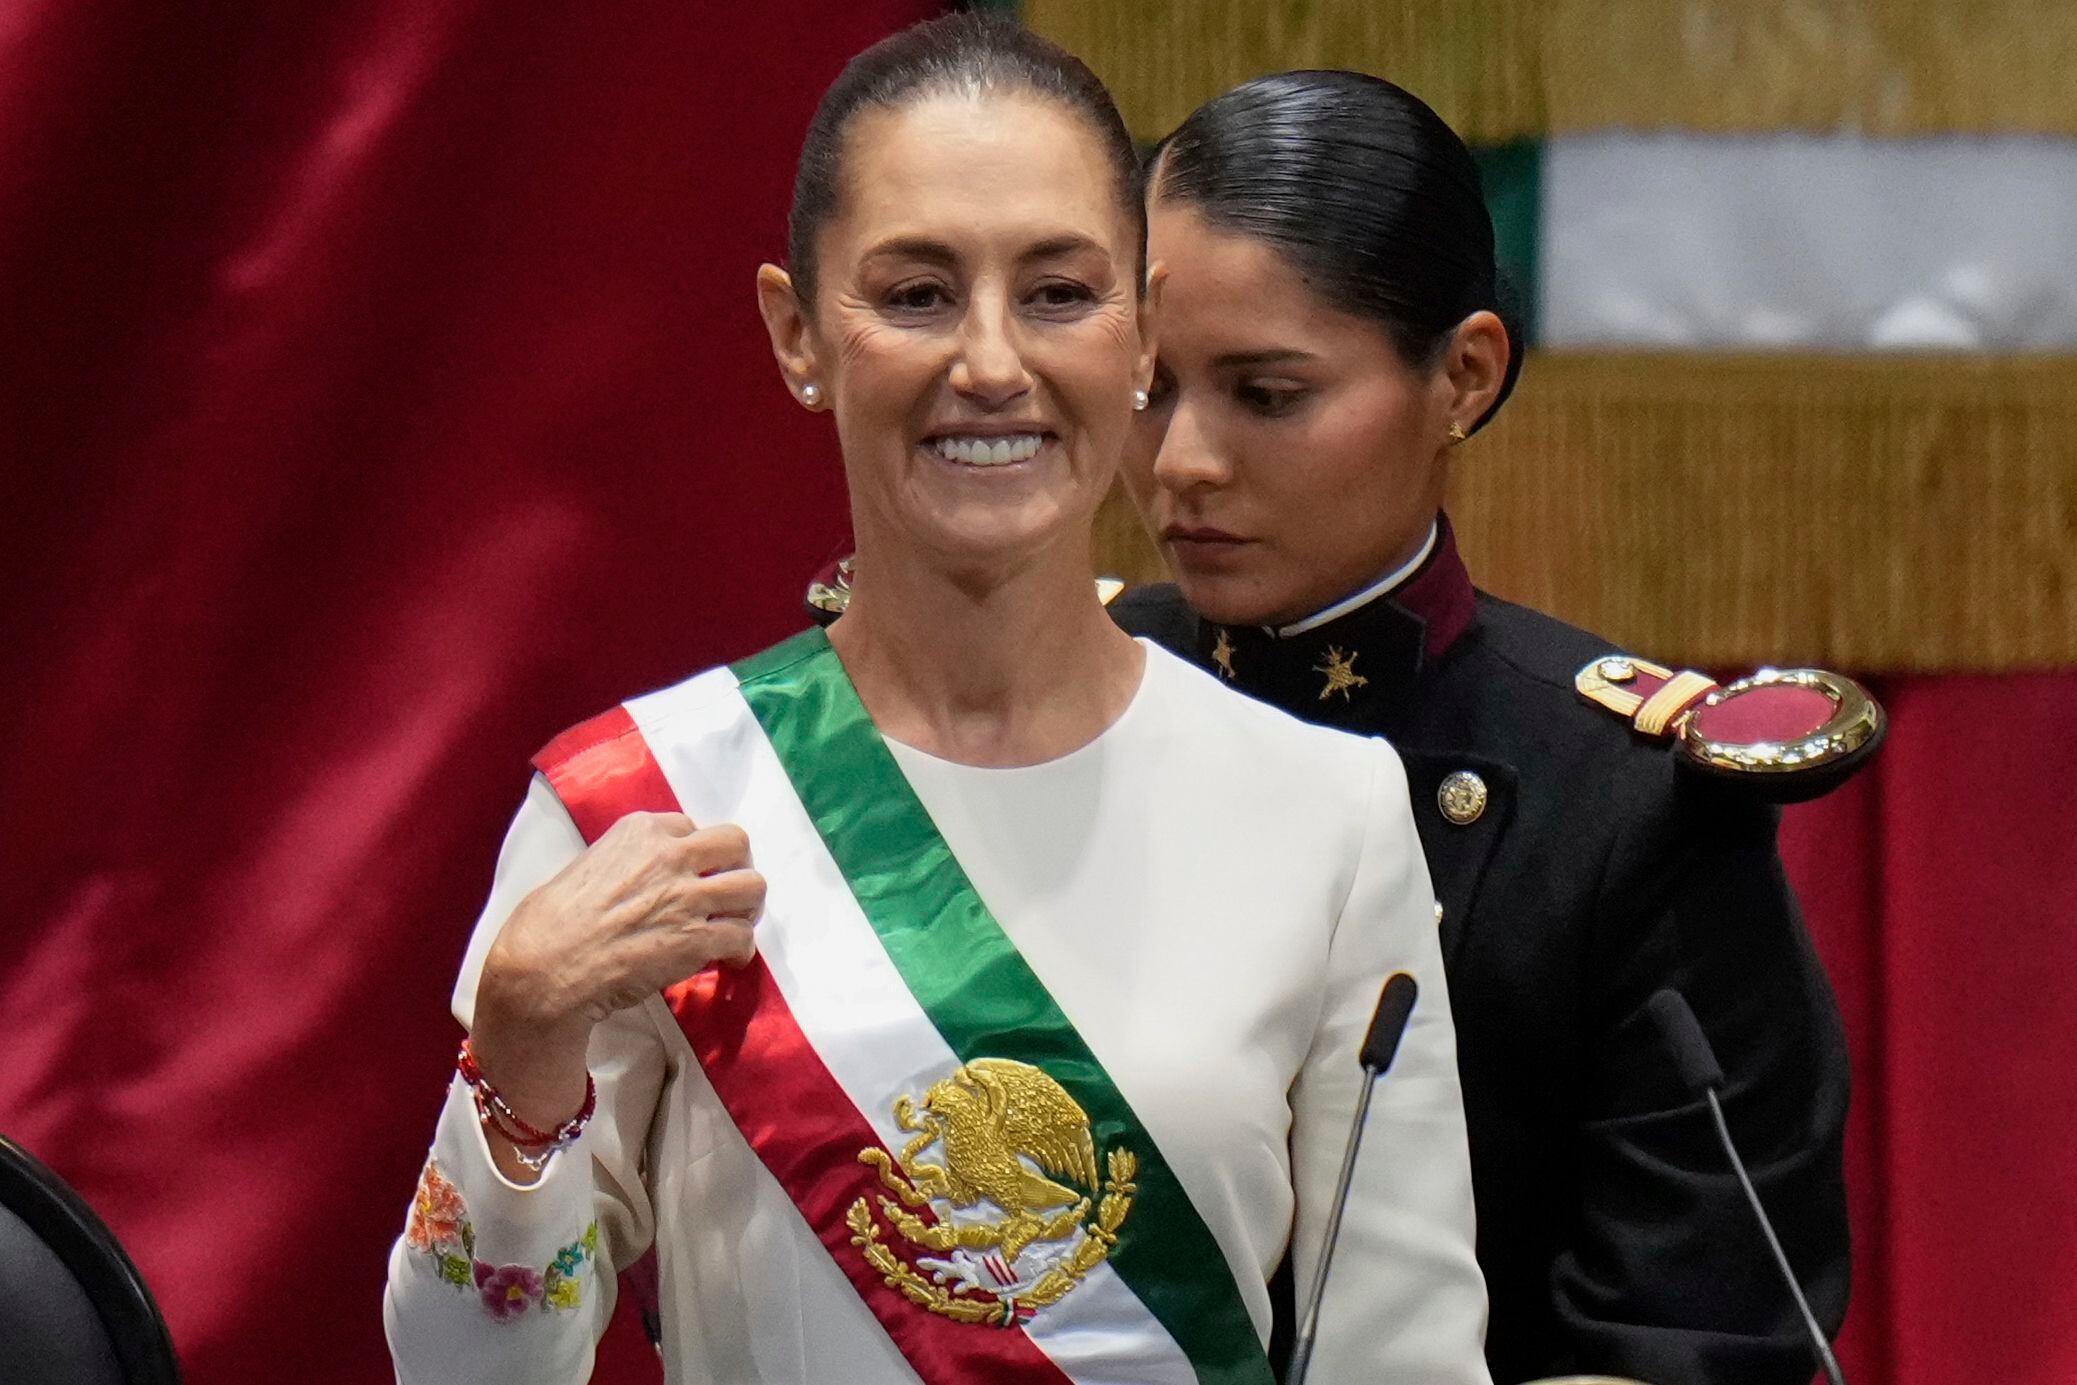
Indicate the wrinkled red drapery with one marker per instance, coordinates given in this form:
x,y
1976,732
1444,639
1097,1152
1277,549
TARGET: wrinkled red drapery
x,y
1942,887
380,391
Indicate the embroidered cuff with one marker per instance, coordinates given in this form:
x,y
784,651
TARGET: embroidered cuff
x,y
440,1231
511,1223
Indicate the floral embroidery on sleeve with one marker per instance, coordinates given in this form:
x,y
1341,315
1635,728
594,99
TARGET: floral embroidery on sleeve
x,y
439,1229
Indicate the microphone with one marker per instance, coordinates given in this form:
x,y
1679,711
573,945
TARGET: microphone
x,y
1394,1007
1702,1075
1388,1026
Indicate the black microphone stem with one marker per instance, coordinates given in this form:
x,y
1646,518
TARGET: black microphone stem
x,y
1826,1360
1395,1005
1308,1330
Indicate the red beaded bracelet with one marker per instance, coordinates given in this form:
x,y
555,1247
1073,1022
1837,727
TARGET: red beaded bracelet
x,y
495,1112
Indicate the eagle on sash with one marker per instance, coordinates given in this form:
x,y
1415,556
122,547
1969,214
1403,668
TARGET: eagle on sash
x,y
1009,1137
987,1114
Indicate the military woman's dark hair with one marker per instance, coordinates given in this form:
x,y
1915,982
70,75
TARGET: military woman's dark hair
x,y
1367,192
968,53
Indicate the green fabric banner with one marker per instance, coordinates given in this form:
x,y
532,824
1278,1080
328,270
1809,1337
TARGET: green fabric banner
x,y
977,989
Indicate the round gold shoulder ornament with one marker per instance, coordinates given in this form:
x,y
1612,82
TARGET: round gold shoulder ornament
x,y
1807,728
1785,735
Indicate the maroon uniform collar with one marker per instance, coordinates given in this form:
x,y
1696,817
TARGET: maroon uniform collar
x,y
1356,657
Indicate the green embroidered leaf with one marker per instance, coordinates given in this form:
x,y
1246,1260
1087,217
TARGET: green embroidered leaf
x,y
468,1240
454,1269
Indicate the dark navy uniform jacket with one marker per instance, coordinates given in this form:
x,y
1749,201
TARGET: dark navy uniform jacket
x,y
1613,1236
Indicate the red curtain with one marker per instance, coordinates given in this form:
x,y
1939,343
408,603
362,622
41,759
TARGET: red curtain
x,y
380,391
1942,887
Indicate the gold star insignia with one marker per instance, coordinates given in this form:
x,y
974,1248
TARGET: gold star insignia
x,y
1340,671
1222,654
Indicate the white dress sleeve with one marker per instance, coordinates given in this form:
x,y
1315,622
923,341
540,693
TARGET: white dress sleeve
x,y
495,1282
1405,1300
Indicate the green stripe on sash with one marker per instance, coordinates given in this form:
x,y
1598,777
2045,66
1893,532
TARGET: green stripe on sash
x,y
977,988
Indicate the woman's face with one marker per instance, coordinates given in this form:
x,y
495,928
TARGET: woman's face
x,y
1291,455
976,329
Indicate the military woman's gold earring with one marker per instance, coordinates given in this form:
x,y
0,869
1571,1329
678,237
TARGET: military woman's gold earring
x,y
811,394
1457,433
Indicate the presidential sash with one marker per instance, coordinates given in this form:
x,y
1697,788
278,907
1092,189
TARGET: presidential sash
x,y
894,1062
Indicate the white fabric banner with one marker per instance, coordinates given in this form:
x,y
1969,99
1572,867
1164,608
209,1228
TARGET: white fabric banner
x,y
1834,242
853,1006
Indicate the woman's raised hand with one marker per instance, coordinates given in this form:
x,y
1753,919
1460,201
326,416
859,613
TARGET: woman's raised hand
x,y
652,901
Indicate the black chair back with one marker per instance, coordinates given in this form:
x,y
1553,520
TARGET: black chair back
x,y
73,1309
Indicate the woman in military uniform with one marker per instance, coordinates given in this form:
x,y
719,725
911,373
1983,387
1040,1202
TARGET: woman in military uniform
x,y
1330,330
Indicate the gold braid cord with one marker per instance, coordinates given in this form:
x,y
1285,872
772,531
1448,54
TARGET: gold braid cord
x,y
1098,1237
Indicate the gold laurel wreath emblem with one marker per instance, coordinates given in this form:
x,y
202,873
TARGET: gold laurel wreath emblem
x,y
995,1121
1098,1237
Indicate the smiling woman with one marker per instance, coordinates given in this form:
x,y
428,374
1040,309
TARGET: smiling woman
x,y
1036,1052
972,320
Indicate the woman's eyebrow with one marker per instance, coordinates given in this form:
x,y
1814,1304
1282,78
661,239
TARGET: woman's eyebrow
x,y
1266,356
910,247
914,248
1054,247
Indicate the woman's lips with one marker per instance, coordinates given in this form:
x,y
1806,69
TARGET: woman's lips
x,y
988,449
1202,547
1178,533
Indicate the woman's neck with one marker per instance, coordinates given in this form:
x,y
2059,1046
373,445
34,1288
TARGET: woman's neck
x,y
1402,566
996,668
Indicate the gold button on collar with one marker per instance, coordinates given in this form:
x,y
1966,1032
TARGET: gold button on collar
x,y
1462,797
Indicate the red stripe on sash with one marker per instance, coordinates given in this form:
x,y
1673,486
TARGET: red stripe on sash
x,y
774,1085
602,770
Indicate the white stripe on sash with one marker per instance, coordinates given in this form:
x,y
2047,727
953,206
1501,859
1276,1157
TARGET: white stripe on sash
x,y
846,995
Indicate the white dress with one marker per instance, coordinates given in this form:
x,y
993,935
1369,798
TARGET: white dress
x,y
1212,891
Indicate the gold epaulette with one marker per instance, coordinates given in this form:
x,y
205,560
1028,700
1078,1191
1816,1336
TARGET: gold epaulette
x,y
1786,734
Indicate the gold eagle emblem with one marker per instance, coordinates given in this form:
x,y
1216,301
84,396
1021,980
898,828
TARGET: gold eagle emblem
x,y
1009,1198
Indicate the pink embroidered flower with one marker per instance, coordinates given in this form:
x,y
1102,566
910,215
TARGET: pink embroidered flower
x,y
436,1212
507,1289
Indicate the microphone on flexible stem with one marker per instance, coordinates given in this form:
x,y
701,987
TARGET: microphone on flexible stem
x,y
1700,1074
1387,1026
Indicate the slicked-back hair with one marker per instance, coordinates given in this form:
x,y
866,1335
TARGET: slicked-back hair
x,y
971,54
1367,192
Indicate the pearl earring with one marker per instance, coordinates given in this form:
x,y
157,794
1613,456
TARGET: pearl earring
x,y
1139,401
811,394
